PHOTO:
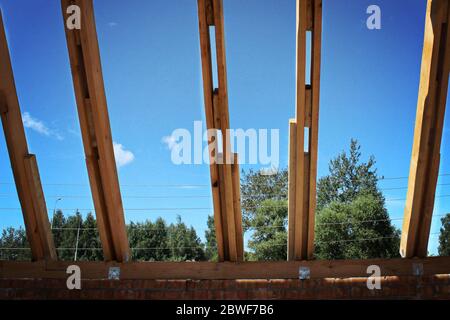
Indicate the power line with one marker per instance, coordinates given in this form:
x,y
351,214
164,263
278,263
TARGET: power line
x,y
382,178
187,208
201,246
130,197
181,186
267,227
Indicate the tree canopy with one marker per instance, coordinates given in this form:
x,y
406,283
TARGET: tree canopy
x,y
351,218
76,238
352,222
444,236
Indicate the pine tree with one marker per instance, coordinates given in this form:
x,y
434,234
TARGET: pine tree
x,y
184,242
269,238
444,237
211,242
14,245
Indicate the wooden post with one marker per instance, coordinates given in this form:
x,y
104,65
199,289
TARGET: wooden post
x,y
24,165
224,176
96,132
303,164
425,157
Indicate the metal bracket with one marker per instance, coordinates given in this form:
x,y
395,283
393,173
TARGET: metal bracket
x,y
114,273
417,269
304,273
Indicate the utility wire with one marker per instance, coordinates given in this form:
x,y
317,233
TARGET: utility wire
x,y
187,208
263,227
200,246
381,178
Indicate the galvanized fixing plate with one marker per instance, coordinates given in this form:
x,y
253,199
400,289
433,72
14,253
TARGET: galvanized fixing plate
x,y
417,269
114,273
304,273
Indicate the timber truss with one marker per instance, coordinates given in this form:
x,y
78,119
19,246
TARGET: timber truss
x,y
91,102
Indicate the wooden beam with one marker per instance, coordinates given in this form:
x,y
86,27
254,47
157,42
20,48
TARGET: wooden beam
x,y
316,54
96,131
291,188
319,269
24,165
425,157
224,176
237,206
303,163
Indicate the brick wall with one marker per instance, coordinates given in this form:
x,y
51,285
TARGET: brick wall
x,y
435,287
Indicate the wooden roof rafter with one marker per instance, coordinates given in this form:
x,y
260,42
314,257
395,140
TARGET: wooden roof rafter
x,y
425,159
303,163
224,168
96,131
24,165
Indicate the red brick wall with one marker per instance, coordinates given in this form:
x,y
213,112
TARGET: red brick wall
x,y
435,287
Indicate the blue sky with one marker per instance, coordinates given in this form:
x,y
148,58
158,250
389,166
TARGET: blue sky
x,y
151,64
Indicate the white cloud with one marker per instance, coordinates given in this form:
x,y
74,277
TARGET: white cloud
x,y
39,126
112,24
170,141
123,156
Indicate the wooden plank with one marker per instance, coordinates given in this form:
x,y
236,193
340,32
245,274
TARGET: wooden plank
x,y
299,246
205,51
216,107
96,131
425,156
3,105
319,269
38,203
223,209
302,201
225,125
237,208
308,106
314,128
309,15
209,12
305,222
24,166
291,189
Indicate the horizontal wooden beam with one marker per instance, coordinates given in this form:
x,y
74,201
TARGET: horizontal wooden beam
x,y
425,159
96,131
229,270
24,165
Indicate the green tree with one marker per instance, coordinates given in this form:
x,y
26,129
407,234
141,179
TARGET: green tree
x,y
346,198
256,188
149,240
89,244
269,235
58,223
360,229
14,245
184,243
352,221
444,237
69,234
348,178
211,242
